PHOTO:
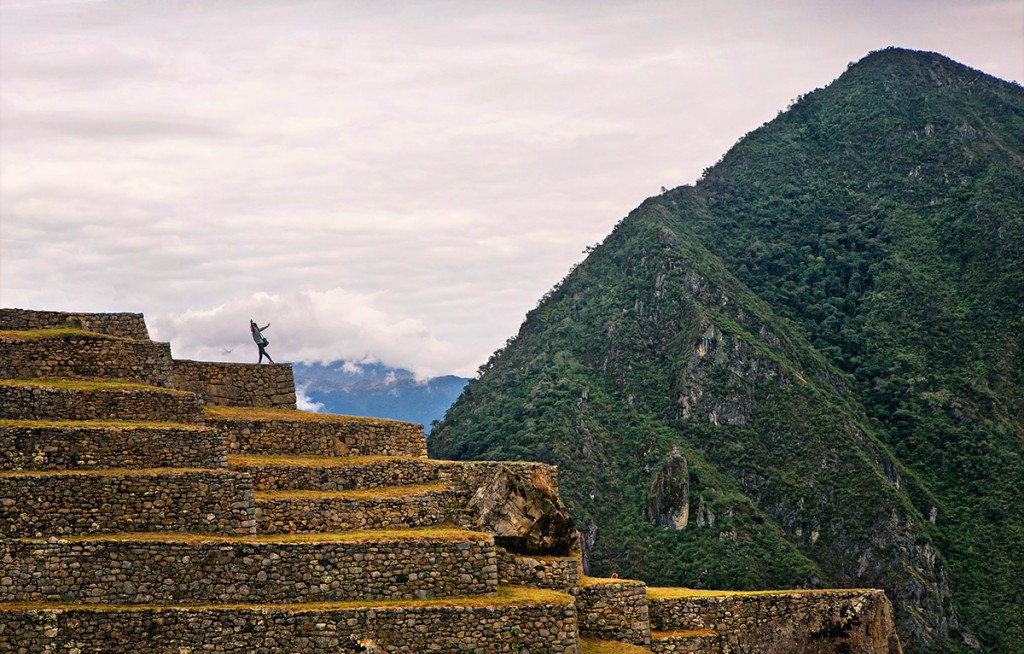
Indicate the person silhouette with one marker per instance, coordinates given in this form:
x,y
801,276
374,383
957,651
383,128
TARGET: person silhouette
x,y
261,341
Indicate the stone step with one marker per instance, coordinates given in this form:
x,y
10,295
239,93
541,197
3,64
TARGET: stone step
x,y
693,641
283,431
128,325
162,568
74,353
420,505
515,620
333,473
54,445
57,399
52,503
614,609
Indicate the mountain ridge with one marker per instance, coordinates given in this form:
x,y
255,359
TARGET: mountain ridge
x,y
799,326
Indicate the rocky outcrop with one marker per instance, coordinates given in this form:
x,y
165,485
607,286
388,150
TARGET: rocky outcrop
x,y
668,502
521,508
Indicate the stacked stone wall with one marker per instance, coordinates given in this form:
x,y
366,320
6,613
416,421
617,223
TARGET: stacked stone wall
x,y
323,437
84,355
548,628
693,642
127,325
27,447
475,474
816,622
242,571
378,473
29,402
557,573
45,504
237,384
614,611
320,514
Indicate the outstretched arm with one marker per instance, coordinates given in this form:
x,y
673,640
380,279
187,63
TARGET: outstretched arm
x,y
262,328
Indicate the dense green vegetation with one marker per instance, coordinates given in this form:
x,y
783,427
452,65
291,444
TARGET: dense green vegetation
x,y
829,326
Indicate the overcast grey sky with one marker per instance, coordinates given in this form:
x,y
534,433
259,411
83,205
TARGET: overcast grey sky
x,y
393,181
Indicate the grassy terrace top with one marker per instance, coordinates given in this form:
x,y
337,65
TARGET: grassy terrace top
x,y
597,646
264,413
507,596
682,593
442,533
683,633
605,581
53,332
357,494
258,460
99,424
112,472
89,384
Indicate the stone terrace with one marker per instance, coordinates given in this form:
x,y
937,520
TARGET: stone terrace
x,y
149,504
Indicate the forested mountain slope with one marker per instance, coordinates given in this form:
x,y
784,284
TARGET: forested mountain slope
x,y
808,368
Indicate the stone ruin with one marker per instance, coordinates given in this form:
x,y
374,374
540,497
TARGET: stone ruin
x,y
155,505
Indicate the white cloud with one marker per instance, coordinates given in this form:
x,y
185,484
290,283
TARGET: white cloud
x,y
397,183
304,403
323,326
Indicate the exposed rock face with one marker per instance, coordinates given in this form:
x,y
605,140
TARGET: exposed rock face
x,y
523,511
668,502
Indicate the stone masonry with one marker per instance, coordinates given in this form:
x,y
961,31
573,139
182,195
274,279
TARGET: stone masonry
x,y
237,384
196,510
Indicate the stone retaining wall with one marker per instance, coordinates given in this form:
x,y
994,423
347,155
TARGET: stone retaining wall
x,y
127,325
614,611
320,514
707,642
25,402
816,622
378,473
556,573
328,437
85,355
242,571
544,628
474,474
26,447
237,384
49,504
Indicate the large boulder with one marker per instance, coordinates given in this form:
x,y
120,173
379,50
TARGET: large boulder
x,y
520,506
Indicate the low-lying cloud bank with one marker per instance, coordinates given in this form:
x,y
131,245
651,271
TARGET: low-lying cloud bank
x,y
324,326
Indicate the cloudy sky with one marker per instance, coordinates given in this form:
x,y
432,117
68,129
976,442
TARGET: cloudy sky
x,y
395,181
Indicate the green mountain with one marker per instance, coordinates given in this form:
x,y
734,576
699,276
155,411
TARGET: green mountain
x,y
808,369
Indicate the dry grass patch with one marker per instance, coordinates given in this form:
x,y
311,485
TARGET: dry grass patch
x,y
683,633
506,596
101,424
439,533
356,494
112,472
677,593
266,413
89,384
53,332
599,581
261,460
597,646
